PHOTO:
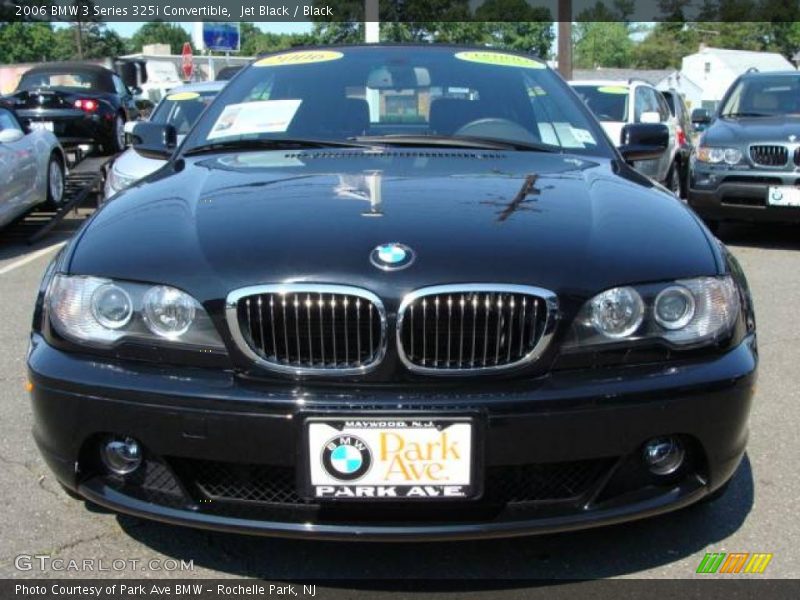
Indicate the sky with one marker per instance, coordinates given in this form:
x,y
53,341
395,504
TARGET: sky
x,y
128,29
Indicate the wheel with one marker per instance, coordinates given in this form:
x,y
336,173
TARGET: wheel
x,y
674,179
116,141
55,181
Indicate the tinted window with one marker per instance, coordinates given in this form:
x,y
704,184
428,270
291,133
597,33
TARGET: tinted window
x,y
764,95
78,80
182,109
607,102
350,92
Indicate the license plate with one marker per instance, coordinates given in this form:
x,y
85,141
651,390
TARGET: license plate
x,y
783,195
385,459
41,126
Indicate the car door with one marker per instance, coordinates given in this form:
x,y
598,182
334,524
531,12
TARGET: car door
x,y
648,109
126,98
18,189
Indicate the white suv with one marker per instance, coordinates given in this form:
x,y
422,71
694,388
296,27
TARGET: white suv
x,y
617,103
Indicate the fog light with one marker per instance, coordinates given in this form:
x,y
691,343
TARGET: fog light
x,y
664,456
121,455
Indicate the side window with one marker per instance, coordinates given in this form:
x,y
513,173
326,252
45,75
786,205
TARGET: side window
x,y
663,107
8,120
120,87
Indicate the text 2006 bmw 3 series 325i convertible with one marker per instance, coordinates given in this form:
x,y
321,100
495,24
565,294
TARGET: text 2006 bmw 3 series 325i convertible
x,y
394,293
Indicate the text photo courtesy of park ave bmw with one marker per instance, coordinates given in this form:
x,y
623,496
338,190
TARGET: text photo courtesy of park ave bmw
x,y
314,298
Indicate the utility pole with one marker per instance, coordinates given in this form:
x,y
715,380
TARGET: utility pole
x,y
565,38
372,25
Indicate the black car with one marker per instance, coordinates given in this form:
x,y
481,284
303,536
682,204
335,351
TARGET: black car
x,y
745,165
81,103
394,292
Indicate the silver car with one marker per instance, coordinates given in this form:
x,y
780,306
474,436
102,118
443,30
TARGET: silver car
x,y
180,108
32,168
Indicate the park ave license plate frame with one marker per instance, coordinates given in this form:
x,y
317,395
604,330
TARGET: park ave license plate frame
x,y
391,458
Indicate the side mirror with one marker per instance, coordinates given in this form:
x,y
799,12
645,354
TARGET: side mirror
x,y
701,116
8,136
643,141
154,140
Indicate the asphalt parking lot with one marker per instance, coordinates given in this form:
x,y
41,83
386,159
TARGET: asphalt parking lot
x,y
757,515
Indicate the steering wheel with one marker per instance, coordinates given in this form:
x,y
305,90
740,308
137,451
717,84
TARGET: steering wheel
x,y
496,128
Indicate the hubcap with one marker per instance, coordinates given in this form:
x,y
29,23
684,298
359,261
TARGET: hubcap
x,y
56,182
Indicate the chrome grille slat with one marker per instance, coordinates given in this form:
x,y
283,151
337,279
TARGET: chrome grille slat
x,y
506,325
301,336
769,155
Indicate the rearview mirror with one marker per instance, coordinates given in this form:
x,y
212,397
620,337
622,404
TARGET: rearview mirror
x,y
8,136
643,141
701,116
154,140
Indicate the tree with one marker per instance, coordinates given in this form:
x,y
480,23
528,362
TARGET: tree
x,y
602,44
159,32
97,41
26,42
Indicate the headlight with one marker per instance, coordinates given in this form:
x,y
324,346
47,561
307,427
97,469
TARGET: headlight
x,y
687,312
716,155
101,312
117,181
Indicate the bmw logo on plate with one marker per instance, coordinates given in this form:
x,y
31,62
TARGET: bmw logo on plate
x,y
346,458
391,257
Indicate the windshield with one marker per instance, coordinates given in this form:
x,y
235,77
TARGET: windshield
x,y
181,109
60,79
607,102
379,92
763,96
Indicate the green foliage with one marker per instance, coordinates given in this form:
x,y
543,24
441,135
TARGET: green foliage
x,y
602,44
26,42
159,32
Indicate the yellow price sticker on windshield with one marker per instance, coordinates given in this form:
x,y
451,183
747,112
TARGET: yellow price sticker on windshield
x,y
183,96
500,59
612,89
298,58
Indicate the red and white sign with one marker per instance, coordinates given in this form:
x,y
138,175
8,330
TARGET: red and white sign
x,y
188,62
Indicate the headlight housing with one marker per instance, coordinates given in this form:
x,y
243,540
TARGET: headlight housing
x,y
116,181
719,155
684,313
101,312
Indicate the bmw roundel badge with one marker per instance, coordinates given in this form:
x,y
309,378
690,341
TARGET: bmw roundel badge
x,y
392,257
346,458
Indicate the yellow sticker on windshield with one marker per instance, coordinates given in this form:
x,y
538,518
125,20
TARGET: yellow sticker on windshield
x,y
500,59
612,89
183,96
298,58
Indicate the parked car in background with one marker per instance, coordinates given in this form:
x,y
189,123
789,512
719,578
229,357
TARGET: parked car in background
x,y
746,163
684,133
522,334
81,103
619,103
32,168
180,108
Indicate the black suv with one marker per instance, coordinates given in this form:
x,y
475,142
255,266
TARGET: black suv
x,y
747,163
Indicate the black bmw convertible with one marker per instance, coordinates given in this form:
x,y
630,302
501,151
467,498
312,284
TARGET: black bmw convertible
x,y
394,292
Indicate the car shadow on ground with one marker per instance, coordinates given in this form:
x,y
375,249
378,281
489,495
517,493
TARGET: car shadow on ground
x,y
604,552
778,236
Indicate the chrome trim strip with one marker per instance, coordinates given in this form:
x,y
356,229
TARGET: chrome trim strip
x,y
551,302
283,289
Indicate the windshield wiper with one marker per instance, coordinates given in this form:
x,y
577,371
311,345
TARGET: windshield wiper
x,y
456,141
269,144
747,114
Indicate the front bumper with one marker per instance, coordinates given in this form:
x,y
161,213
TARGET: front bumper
x,y
726,193
563,454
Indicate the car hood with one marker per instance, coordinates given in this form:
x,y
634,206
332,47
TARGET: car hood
x,y
561,222
749,130
132,164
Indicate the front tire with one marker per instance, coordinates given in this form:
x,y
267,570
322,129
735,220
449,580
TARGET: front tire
x,y
55,181
674,180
